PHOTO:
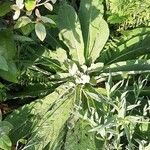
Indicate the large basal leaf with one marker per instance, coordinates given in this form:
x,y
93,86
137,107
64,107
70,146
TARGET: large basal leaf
x,y
51,125
134,44
129,67
8,51
41,121
26,117
54,59
124,68
94,28
34,90
70,32
43,59
79,137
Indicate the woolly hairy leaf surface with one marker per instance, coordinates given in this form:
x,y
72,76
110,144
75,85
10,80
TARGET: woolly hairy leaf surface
x,y
94,28
130,67
70,32
55,59
40,121
79,137
49,128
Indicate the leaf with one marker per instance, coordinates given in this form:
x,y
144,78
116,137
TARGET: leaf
x,y
53,60
79,138
47,20
33,90
3,63
135,44
11,74
53,1
70,32
129,34
122,109
50,127
5,142
48,6
5,127
5,8
21,38
8,51
94,28
7,45
30,4
59,54
16,14
129,67
26,117
40,31
22,21
20,4
37,13
125,68
42,127
147,147
115,18
26,30
128,134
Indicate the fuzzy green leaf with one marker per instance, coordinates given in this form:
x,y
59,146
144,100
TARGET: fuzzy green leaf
x,y
79,137
94,28
129,67
42,120
70,32
49,128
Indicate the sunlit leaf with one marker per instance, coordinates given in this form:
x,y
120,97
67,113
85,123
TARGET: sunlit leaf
x,y
48,6
40,31
22,21
70,32
30,4
94,28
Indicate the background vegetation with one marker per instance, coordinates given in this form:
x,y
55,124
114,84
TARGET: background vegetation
x,y
74,74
